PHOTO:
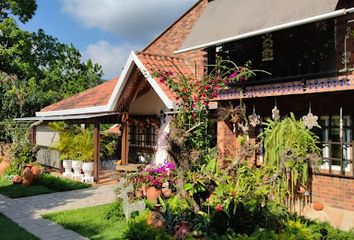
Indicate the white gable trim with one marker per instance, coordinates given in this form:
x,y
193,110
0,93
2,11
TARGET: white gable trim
x,y
132,61
153,83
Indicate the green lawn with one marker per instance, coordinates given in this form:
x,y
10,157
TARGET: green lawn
x,y
46,184
91,222
11,231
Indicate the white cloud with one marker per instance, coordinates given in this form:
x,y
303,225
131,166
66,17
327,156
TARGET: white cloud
x,y
111,57
132,20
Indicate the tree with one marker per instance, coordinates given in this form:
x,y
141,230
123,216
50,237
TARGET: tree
x,y
42,71
35,68
24,9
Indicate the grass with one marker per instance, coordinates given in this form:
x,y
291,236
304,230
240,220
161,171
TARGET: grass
x,y
10,230
92,222
46,184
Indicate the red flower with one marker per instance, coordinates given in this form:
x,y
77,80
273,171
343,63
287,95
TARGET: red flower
x,y
168,73
214,95
219,208
207,87
162,79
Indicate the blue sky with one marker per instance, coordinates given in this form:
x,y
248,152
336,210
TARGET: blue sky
x,y
106,30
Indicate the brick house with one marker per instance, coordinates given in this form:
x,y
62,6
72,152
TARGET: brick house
x,y
306,48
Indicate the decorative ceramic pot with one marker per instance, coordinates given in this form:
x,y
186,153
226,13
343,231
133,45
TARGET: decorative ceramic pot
x,y
87,168
17,180
27,176
67,165
36,171
166,192
77,164
152,194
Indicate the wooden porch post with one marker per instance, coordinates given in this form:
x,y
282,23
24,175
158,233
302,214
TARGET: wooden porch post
x,y
125,146
96,155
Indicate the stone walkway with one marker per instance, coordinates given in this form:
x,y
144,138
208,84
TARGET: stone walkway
x,y
340,218
27,211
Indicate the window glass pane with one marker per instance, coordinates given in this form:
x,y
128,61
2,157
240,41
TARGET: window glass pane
x,y
335,135
324,121
347,135
335,121
347,121
336,151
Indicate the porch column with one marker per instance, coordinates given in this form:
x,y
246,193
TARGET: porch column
x,y
96,154
125,146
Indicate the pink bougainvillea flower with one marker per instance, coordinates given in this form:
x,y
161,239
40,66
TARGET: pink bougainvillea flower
x,y
168,73
207,87
162,79
219,208
233,75
214,95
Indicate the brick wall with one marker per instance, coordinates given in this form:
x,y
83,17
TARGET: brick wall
x,y
333,191
172,39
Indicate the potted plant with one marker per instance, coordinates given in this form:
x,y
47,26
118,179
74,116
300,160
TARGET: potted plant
x,y
85,152
64,145
155,177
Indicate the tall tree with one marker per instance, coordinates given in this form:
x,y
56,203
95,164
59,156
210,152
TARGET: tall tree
x,y
24,9
35,68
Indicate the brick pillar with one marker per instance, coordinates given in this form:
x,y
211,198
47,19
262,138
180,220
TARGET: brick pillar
x,y
226,141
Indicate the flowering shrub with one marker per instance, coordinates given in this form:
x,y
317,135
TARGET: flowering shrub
x,y
195,93
156,175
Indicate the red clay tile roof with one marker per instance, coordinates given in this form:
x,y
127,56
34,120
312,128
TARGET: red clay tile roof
x,y
177,66
100,95
96,96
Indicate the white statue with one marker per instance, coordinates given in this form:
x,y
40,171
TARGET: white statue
x,y
162,142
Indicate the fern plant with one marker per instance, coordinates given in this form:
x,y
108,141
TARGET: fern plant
x,y
292,149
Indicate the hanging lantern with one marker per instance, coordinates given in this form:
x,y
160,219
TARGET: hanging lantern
x,y
275,111
254,119
310,120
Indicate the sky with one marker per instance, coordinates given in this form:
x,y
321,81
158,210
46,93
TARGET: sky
x,y
106,30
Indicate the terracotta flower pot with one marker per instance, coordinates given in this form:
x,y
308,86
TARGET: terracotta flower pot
x,y
17,180
152,194
166,192
317,206
27,176
36,171
4,165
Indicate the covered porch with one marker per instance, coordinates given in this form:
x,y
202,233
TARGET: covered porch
x,y
137,104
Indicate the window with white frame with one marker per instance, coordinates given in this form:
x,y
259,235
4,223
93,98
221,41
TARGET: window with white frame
x,y
337,144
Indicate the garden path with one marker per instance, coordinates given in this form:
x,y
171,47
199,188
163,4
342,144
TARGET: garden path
x,y
27,211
